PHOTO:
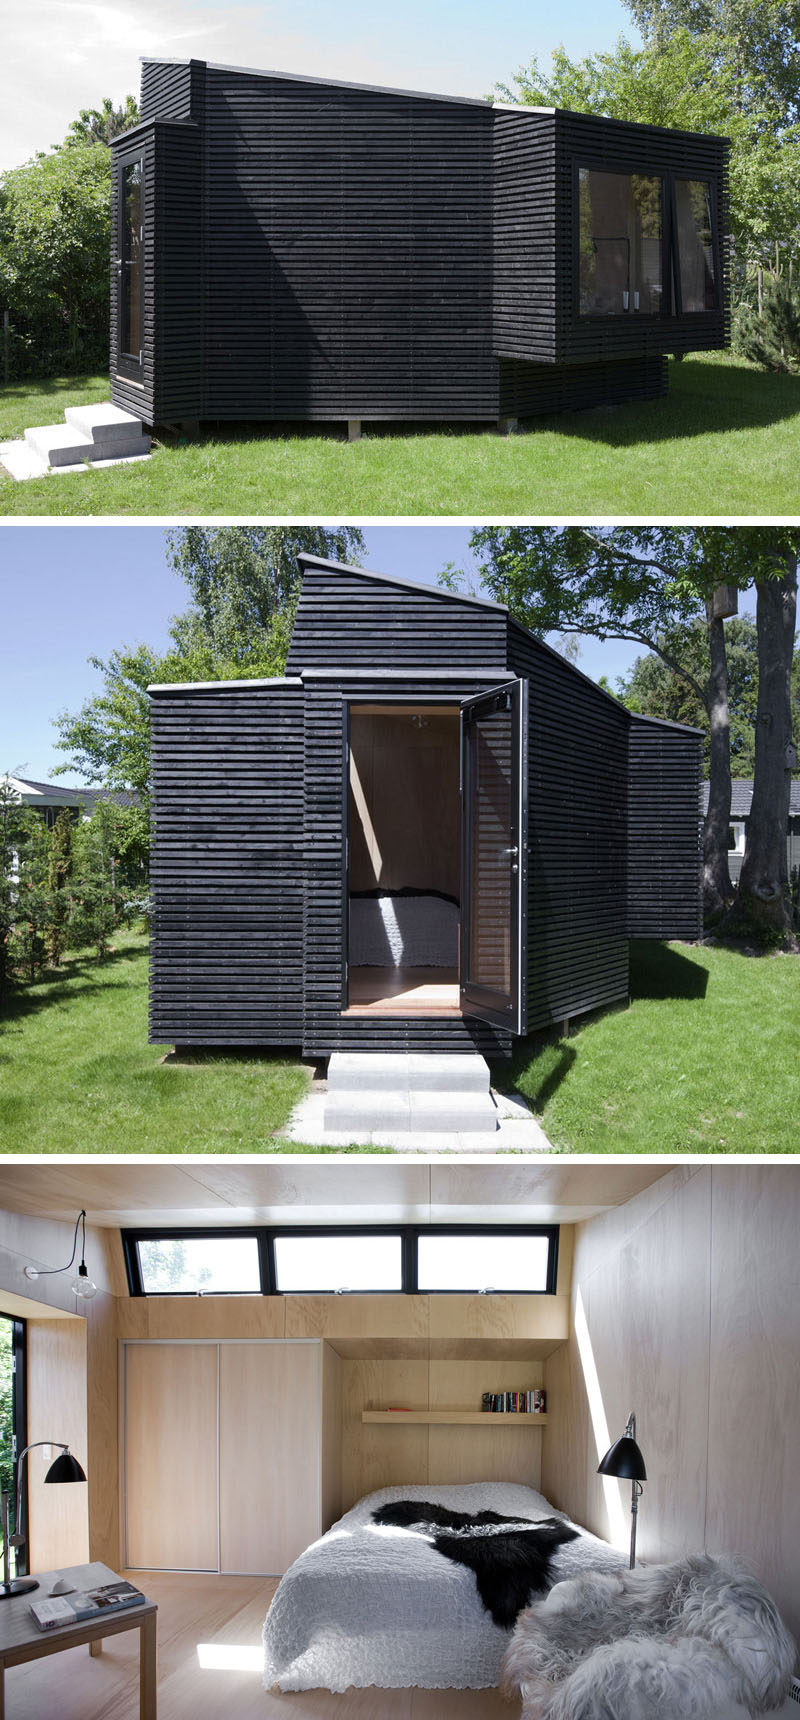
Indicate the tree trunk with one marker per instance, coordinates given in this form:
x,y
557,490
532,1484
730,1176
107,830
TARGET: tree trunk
x,y
763,901
717,886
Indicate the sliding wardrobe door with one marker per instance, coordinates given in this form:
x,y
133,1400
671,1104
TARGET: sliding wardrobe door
x,y
171,1456
269,1430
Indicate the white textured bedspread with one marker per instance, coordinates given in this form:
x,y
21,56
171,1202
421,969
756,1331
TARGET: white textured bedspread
x,y
367,1605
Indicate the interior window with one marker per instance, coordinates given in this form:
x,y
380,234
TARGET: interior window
x,y
620,243
327,1264
695,245
485,1262
199,1265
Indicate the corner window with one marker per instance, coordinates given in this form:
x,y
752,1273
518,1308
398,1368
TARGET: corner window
x,y
620,243
695,240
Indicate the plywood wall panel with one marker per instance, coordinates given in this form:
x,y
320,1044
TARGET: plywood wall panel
x,y
334,1317
381,1456
214,1316
476,1453
58,1517
269,1436
499,1317
331,1437
753,1434
171,1456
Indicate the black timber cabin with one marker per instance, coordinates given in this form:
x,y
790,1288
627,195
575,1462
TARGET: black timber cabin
x,y
286,248
432,834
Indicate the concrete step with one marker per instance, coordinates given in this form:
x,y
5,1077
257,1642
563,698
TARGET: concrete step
x,y
109,426
441,1113
414,1071
409,1092
59,444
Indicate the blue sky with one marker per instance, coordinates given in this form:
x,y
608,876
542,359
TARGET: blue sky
x,y
71,592
62,55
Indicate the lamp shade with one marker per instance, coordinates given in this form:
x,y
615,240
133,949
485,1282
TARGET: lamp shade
x,y
65,1468
623,1460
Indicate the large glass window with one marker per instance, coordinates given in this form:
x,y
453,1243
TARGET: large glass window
x,y
131,258
325,1264
695,245
620,228
200,1265
483,1262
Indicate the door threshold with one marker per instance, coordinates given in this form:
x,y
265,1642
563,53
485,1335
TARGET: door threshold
x,y
390,991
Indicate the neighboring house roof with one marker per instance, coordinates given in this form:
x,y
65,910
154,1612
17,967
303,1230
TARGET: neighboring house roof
x,y
54,794
742,795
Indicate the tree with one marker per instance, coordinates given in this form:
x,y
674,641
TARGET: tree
x,y
13,820
759,44
59,874
103,124
31,894
54,247
677,79
763,901
655,690
243,581
639,583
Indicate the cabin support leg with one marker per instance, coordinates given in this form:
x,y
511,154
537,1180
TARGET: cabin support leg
x,y
563,1027
354,429
507,426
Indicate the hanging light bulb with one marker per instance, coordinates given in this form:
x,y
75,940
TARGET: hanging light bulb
x,y
81,1285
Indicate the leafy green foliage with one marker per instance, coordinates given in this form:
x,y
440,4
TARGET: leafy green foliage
x,y
768,332
54,248
654,689
244,582
679,79
58,877
759,43
103,124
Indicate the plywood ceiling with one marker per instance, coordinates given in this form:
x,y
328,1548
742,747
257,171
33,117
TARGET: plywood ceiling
x,y
332,1193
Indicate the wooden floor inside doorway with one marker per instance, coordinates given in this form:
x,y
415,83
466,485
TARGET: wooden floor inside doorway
x,y
403,991
221,1616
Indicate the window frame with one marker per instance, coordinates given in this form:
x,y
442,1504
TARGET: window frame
x,y
266,1236
671,296
129,365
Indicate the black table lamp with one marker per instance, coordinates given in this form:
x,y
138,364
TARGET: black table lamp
x,y
65,1467
625,1462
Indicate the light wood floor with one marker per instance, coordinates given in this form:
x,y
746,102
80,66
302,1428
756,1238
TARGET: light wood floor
x,y
224,1613
403,991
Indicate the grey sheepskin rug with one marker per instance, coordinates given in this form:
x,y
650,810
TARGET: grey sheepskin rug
x,y
691,1640
510,1557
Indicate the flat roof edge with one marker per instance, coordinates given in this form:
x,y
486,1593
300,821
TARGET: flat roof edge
x,y
317,78
218,686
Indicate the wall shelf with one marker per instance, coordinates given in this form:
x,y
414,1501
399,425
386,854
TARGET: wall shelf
x,y
453,1417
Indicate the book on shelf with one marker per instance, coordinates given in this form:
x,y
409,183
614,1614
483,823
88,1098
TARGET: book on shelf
x,y
532,1401
56,1610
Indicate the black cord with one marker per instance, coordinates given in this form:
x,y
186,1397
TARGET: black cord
x,y
48,1271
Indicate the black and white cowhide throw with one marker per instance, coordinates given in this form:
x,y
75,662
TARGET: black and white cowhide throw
x,y
509,1556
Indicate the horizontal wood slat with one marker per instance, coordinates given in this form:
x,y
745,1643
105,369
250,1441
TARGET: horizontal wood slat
x,y
664,832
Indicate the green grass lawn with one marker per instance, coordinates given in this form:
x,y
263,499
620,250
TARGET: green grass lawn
x,y
725,441
77,1073
705,1060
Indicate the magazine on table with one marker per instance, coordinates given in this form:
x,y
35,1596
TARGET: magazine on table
x,y
56,1610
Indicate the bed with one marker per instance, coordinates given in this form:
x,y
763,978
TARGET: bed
x,y
367,1605
403,929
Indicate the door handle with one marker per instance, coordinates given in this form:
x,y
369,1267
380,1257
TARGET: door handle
x,y
511,852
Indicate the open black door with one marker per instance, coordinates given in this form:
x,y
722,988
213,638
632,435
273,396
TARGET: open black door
x,y
494,856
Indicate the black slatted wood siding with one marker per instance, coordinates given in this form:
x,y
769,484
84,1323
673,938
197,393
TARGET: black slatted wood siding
x,y
664,831
348,620
166,89
348,253
530,389
178,323
524,301
577,820
227,871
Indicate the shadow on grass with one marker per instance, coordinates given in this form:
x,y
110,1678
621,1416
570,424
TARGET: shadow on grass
x,y
538,1085
55,985
656,971
189,1056
703,398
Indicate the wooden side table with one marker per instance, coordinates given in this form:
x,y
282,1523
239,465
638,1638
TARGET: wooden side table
x,y
22,1640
